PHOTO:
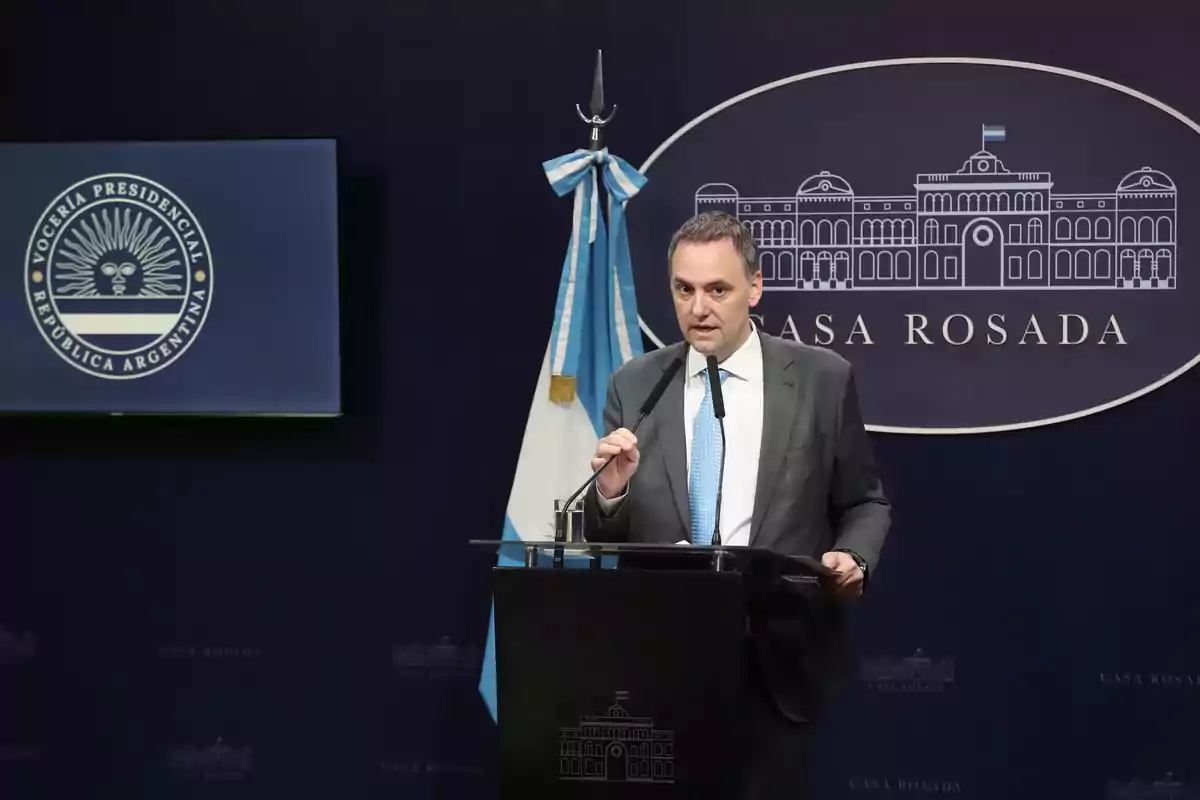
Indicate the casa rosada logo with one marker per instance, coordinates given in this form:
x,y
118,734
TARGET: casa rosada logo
x,y
1011,266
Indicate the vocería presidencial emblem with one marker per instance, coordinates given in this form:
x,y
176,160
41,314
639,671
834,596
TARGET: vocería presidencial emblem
x,y
119,276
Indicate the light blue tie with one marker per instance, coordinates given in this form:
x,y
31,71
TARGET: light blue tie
x,y
706,467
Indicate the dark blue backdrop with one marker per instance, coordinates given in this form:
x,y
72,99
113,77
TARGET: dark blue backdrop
x,y
301,588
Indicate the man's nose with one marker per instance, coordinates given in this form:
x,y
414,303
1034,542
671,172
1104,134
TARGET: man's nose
x,y
699,305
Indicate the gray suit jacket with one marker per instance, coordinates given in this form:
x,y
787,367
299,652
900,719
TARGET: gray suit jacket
x,y
817,490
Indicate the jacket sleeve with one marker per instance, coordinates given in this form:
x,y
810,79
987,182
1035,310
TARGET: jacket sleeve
x,y
859,511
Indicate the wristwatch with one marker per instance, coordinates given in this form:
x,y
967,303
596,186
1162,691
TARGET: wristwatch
x,y
862,563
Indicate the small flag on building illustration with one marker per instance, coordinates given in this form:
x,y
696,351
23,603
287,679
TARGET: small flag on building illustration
x,y
992,133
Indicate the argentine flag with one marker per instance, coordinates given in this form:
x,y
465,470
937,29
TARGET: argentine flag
x,y
595,331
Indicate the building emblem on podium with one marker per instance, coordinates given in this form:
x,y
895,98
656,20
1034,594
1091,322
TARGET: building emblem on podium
x,y
982,227
914,674
616,747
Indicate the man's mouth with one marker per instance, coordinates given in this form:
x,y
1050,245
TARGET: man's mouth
x,y
704,328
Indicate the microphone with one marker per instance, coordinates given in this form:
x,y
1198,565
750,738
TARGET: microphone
x,y
718,403
560,528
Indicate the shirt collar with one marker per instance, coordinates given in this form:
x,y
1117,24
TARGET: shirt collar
x,y
745,363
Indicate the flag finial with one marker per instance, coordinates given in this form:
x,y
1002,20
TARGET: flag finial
x,y
597,120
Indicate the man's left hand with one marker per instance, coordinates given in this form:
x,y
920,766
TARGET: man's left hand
x,y
848,583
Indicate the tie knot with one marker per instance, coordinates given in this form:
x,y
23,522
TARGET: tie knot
x,y
724,373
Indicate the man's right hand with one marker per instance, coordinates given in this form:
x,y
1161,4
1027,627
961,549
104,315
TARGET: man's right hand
x,y
621,445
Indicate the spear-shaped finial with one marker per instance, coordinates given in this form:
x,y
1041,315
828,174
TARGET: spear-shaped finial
x,y
597,107
596,120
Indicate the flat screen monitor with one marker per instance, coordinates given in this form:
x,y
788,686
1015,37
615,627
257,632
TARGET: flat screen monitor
x,y
170,278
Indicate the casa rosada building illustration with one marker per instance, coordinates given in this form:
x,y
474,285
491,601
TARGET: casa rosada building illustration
x,y
982,227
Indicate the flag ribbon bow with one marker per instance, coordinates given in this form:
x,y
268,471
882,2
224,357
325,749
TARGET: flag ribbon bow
x,y
597,260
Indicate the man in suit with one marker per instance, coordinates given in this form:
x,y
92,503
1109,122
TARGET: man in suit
x,y
799,479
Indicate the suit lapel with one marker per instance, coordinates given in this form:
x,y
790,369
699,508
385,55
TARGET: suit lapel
x,y
674,445
779,411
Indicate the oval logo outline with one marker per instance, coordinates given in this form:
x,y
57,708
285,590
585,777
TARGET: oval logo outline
x,y
644,168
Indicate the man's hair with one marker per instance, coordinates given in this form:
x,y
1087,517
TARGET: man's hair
x,y
713,226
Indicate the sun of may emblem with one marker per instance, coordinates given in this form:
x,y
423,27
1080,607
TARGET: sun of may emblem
x,y
119,276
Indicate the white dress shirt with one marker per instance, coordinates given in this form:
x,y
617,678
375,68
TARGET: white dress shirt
x,y
742,392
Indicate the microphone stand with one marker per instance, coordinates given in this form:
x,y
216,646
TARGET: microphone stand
x,y
718,406
560,515
716,537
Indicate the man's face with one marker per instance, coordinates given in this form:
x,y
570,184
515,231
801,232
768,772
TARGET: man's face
x,y
713,296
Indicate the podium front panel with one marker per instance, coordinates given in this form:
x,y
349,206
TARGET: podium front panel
x,y
616,683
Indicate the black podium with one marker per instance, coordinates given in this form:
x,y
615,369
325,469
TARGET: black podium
x,y
621,668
